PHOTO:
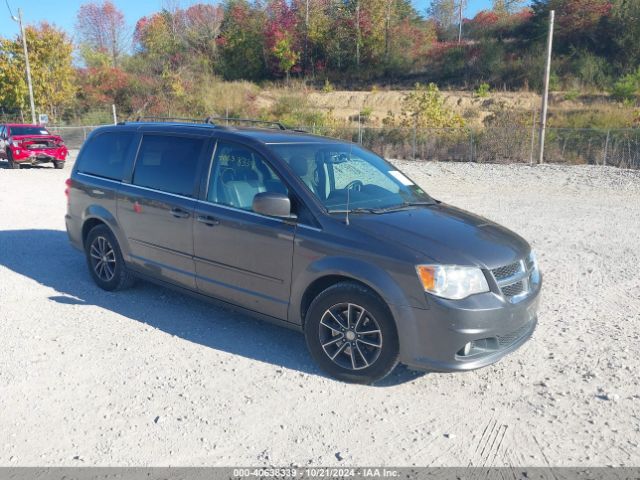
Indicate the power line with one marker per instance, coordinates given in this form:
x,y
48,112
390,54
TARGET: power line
x,y
9,8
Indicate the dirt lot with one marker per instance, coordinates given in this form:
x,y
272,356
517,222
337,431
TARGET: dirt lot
x,y
152,377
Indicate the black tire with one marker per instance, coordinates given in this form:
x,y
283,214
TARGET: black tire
x,y
58,164
12,164
113,274
366,362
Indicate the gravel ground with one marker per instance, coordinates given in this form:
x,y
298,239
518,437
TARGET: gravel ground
x,y
152,377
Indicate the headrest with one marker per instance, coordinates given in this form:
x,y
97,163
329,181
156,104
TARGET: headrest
x,y
299,165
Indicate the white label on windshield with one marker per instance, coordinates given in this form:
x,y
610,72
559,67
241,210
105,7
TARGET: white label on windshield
x,y
44,132
400,177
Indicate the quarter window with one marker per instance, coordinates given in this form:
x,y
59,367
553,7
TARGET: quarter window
x,y
168,163
105,155
238,175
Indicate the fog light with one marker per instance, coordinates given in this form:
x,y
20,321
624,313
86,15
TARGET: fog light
x,y
466,350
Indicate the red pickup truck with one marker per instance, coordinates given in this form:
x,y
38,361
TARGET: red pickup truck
x,y
31,145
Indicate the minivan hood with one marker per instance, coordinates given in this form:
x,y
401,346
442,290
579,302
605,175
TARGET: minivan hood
x,y
445,234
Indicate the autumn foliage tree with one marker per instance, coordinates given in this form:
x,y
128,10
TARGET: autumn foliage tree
x,y
52,72
101,28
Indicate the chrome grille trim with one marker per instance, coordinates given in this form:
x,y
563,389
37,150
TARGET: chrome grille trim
x,y
514,280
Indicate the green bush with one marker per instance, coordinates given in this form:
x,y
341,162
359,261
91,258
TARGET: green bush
x,y
483,90
627,88
294,110
424,108
591,70
572,95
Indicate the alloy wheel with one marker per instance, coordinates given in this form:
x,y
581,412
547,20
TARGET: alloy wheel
x,y
103,258
350,336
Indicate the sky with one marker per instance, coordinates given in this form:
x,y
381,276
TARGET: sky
x,y
62,13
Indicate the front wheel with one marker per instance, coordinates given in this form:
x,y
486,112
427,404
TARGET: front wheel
x,y
105,261
58,164
12,163
351,335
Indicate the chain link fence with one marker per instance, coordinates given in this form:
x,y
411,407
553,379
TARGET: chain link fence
x,y
615,147
73,137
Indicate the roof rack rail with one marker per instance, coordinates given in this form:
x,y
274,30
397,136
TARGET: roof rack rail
x,y
171,119
278,125
209,121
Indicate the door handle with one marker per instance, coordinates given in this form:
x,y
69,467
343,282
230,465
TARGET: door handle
x,y
207,220
179,213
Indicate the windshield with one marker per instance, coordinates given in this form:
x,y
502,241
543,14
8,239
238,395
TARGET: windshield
x,y
347,177
29,131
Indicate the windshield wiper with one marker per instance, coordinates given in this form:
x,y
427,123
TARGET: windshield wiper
x,y
355,210
404,205
392,208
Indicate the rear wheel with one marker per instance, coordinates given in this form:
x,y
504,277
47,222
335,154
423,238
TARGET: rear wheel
x,y
105,261
351,335
58,164
12,163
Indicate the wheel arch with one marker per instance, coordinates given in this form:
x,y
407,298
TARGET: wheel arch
x,y
96,215
329,271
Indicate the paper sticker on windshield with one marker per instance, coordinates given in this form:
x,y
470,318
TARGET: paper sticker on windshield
x,y
400,177
43,132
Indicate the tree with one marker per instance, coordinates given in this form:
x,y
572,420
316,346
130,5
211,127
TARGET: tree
x,y
280,37
625,16
202,23
102,27
446,14
443,12
51,70
579,23
241,41
504,7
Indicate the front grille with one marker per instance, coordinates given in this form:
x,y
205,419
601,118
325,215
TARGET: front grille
x,y
507,271
510,338
514,279
513,289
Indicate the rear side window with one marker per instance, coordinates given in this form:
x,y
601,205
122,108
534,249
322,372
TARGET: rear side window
x,y
105,155
168,163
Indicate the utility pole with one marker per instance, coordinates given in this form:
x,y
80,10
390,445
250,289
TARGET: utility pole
x,y
545,95
460,21
26,60
358,34
306,37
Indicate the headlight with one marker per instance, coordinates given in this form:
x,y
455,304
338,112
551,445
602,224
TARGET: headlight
x,y
452,281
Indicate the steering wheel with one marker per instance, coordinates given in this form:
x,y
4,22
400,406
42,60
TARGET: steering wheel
x,y
355,185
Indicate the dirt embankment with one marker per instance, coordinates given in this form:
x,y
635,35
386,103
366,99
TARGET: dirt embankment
x,y
346,105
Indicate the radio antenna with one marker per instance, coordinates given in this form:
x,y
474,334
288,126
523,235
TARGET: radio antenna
x,y
346,218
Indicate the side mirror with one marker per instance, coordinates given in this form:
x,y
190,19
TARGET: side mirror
x,y
272,204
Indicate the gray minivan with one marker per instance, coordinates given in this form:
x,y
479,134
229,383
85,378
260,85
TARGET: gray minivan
x,y
310,232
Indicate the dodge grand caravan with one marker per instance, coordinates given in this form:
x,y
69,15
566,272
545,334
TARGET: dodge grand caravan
x,y
310,232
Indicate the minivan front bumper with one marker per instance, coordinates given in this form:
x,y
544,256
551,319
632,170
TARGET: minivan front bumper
x,y
454,335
